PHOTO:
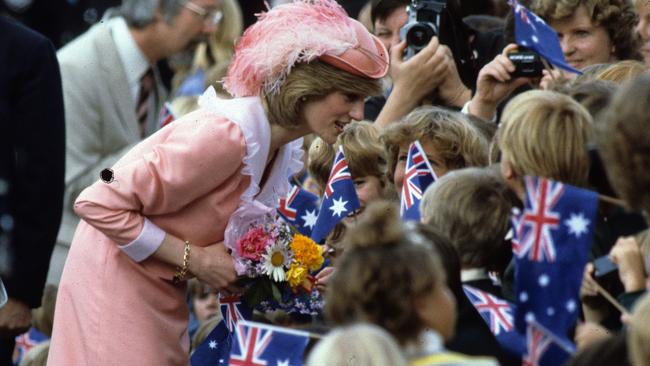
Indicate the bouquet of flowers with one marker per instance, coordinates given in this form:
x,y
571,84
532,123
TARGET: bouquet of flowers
x,y
276,264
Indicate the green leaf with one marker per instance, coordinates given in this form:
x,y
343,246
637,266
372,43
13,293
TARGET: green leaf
x,y
276,293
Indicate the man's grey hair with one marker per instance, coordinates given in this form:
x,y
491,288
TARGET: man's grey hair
x,y
140,13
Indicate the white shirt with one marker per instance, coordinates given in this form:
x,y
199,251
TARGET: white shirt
x,y
134,62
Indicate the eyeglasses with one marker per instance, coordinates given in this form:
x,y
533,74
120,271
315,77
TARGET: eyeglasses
x,y
210,17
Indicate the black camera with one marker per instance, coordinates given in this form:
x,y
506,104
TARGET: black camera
x,y
527,63
423,24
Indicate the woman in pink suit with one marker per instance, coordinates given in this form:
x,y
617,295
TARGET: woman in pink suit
x,y
302,68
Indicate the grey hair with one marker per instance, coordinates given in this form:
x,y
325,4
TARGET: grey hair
x,y
140,13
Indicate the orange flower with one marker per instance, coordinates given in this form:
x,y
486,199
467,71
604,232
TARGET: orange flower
x,y
307,252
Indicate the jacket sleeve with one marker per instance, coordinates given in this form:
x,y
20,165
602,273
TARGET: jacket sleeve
x,y
37,185
200,155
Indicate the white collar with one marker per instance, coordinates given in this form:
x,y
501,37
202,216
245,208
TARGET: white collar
x,y
134,62
428,343
473,274
248,113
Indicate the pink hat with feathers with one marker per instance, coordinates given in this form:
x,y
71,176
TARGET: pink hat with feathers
x,y
297,32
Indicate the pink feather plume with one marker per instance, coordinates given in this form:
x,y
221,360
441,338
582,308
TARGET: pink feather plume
x,y
284,36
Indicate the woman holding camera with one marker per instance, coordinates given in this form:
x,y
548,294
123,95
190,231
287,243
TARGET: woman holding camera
x,y
302,68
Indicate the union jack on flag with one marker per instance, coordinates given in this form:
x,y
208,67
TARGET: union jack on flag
x,y
536,345
166,115
534,238
339,172
300,209
258,344
418,175
234,310
496,312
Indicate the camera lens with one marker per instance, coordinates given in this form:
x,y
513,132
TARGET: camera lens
x,y
419,35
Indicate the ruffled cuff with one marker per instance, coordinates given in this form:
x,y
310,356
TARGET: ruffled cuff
x,y
149,240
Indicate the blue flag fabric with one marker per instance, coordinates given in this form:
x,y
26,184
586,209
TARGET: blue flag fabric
x,y
300,209
499,316
234,309
532,31
418,175
552,238
339,200
192,85
215,349
262,344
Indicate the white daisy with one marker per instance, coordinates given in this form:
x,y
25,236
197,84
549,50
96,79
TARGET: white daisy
x,y
274,260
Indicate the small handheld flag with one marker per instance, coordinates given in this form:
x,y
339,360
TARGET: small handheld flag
x,y
300,209
532,31
262,344
339,200
418,175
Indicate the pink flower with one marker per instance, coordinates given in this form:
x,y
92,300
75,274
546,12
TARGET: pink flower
x,y
253,244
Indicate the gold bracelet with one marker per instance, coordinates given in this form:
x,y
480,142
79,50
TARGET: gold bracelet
x,y
182,271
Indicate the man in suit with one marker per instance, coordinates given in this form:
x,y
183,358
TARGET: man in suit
x,y
113,93
32,138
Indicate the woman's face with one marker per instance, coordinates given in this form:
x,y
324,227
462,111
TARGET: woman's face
x,y
437,163
583,42
387,30
327,116
205,304
643,28
437,310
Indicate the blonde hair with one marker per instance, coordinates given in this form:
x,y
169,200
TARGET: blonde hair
x,y
622,71
470,208
360,345
37,355
545,133
43,316
638,339
382,271
363,153
204,330
458,142
309,82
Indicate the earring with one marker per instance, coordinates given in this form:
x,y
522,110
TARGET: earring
x,y
303,99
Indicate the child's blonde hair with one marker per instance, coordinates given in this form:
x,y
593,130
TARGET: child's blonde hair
x,y
363,153
545,133
638,339
458,142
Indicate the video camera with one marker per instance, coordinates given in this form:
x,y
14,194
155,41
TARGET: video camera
x,y
527,63
422,25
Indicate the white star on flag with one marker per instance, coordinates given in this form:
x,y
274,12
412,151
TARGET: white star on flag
x,y
283,363
310,218
577,224
212,344
338,206
571,306
544,280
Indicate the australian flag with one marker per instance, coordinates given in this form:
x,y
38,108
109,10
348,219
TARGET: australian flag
x,y
166,115
215,349
418,175
545,348
256,344
552,238
339,200
499,316
532,32
234,310
300,209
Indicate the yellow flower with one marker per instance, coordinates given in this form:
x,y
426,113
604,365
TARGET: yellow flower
x,y
307,252
296,274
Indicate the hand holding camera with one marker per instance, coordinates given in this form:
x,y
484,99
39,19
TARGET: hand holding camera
x,y
495,82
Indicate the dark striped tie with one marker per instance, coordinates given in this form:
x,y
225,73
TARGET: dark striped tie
x,y
142,108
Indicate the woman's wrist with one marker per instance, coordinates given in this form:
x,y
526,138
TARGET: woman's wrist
x,y
183,269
